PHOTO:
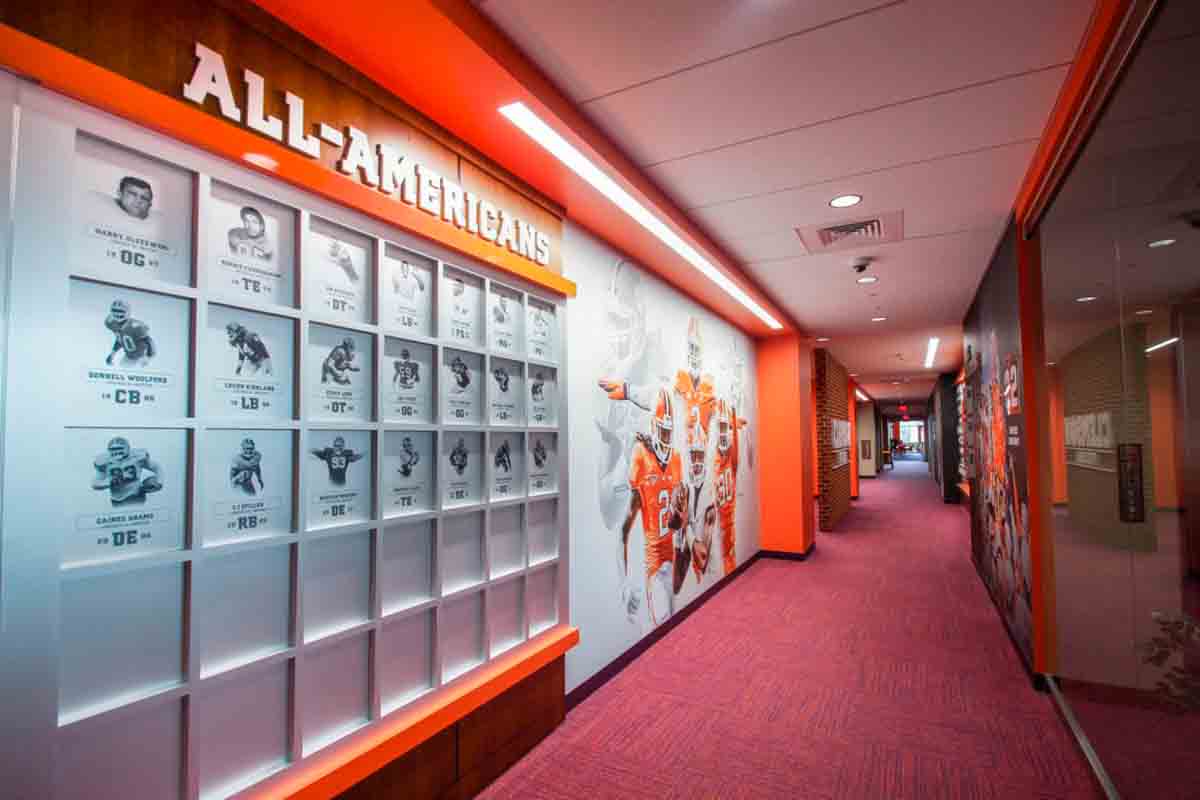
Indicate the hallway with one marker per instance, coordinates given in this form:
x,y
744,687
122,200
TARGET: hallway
x,y
878,668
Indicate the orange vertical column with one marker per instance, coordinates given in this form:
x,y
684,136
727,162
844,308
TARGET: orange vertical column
x,y
785,444
853,405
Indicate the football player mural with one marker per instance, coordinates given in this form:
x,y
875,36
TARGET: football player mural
x,y
131,337
128,474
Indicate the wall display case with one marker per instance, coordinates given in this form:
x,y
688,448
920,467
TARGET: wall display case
x,y
298,460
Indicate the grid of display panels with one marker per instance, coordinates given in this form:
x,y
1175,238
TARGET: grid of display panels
x,y
324,475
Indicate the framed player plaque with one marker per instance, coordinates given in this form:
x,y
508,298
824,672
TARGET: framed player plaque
x,y
505,320
132,214
462,468
341,368
338,467
132,351
409,469
506,392
543,463
508,465
409,377
128,494
541,330
246,478
462,387
248,360
407,279
338,277
543,396
251,247
461,313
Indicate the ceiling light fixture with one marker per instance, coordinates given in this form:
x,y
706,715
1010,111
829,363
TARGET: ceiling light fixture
x,y
1087,298
853,374
878,319
520,115
846,200
1050,363
1141,312
931,351
822,338
858,393
1160,243
1162,344
895,383
867,279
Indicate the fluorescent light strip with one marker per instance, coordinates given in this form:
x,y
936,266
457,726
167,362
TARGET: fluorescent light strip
x,y
1162,344
520,115
858,393
932,351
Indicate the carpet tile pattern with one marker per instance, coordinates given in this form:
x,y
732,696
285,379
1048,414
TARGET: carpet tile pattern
x,y
876,669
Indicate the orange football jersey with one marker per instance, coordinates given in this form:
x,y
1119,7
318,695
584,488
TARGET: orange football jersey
x,y
725,467
655,484
699,398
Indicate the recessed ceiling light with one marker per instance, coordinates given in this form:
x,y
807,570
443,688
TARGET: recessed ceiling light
x,y
1049,363
822,338
1141,312
1087,298
931,351
865,279
878,319
846,200
1161,243
895,383
535,128
853,374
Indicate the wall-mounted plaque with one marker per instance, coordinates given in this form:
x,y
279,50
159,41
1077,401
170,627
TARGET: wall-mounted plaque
x,y
407,280
462,387
409,467
409,377
541,330
508,466
462,468
131,352
247,482
339,270
128,495
341,371
543,396
461,313
506,394
248,361
543,463
338,465
251,247
505,320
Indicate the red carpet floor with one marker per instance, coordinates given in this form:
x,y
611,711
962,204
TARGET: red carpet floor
x,y
877,669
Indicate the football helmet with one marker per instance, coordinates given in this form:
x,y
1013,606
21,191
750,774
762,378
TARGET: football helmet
x,y
724,427
234,331
247,447
339,443
696,466
118,448
695,345
406,443
348,343
624,313
404,354
662,426
460,288
119,310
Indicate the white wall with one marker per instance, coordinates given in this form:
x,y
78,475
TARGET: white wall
x,y
612,606
867,468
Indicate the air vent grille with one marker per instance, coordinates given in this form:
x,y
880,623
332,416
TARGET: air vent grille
x,y
850,234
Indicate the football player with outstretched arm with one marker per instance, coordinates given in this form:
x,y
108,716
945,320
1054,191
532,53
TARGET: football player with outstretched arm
x,y
120,471
658,496
338,459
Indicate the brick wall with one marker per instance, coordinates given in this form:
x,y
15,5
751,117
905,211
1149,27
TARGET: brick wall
x,y
831,383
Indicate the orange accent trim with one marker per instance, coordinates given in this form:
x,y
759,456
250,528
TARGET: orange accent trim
x,y
1101,32
852,402
784,366
1056,422
407,730
73,76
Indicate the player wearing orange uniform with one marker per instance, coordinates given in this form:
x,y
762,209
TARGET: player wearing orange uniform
x,y
693,386
656,481
725,469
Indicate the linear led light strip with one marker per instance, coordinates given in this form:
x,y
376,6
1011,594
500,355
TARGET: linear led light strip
x,y
932,351
1162,344
520,115
858,393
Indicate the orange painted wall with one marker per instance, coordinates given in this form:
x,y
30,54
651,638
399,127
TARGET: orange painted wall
x,y
853,403
785,442
1164,415
1057,429
812,431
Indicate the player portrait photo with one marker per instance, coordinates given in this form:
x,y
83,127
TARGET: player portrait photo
x,y
337,458
408,283
341,369
245,474
126,473
462,307
459,456
341,271
135,196
502,379
247,362
339,363
503,458
407,372
539,330
132,344
409,457
339,470
245,484
250,239
408,466
253,357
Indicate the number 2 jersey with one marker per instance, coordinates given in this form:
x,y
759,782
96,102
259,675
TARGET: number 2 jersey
x,y
655,484
725,468
123,475
698,397
133,337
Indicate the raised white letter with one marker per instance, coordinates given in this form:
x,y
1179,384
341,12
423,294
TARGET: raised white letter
x,y
528,239
543,249
429,195
508,233
397,172
255,118
297,139
356,158
210,78
453,208
488,217
472,213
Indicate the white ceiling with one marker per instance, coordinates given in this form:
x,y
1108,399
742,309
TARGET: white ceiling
x,y
753,115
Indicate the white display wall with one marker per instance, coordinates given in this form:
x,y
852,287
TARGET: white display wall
x,y
290,469
628,328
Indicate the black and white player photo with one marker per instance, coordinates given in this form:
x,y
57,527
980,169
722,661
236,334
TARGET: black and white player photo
x,y
503,459
252,353
502,378
537,387
406,283
339,253
338,459
128,474
246,471
250,239
462,375
500,311
131,337
539,454
408,372
459,456
135,197
339,363
409,457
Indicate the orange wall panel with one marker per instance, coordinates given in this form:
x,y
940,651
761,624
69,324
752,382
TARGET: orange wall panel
x,y
1058,444
784,365
853,402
